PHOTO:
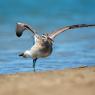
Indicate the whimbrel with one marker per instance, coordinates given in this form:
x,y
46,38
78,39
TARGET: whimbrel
x,y
43,44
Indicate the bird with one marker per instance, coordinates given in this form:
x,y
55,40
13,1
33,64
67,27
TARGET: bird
x,y
43,44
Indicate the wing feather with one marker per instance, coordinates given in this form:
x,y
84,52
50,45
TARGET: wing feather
x,y
55,33
20,27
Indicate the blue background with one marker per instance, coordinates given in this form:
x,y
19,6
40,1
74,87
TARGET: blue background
x,y
72,48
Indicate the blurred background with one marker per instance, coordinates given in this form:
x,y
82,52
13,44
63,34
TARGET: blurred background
x,y
72,48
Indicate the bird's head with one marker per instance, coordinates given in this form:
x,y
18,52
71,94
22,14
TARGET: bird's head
x,y
46,38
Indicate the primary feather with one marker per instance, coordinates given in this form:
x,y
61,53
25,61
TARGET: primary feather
x,y
55,33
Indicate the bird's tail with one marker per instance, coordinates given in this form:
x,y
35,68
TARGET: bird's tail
x,y
21,54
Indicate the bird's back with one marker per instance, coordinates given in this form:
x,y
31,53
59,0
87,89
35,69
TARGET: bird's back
x,y
46,49
42,49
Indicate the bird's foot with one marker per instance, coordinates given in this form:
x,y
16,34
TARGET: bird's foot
x,y
34,62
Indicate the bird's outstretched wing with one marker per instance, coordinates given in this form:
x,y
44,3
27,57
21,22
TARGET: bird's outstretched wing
x,y
55,33
20,27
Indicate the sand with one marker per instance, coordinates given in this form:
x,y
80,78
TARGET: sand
x,y
78,81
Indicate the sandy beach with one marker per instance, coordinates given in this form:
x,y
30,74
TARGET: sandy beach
x,y
76,81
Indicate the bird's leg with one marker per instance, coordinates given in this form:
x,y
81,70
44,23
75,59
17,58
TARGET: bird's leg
x,y
34,62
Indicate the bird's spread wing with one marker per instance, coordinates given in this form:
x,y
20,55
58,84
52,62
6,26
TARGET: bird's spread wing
x,y
55,33
20,27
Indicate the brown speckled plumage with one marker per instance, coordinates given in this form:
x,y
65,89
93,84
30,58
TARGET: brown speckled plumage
x,y
43,44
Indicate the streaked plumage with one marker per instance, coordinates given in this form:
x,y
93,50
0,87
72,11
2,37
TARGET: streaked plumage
x,y
43,44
